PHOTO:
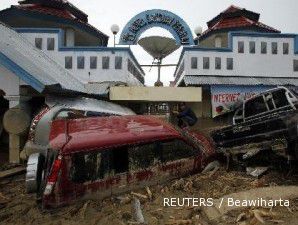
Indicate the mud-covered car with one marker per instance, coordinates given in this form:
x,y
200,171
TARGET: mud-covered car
x,y
58,108
103,156
266,122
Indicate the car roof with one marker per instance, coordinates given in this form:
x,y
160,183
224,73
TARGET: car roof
x,y
88,104
76,135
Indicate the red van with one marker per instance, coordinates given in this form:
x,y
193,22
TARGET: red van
x,y
104,156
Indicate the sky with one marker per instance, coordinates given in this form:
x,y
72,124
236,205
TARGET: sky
x,y
280,14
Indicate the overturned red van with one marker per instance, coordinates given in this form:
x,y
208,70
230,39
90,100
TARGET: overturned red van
x,y
104,156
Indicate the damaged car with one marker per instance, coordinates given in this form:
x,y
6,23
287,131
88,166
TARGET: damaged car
x,y
267,122
65,108
103,156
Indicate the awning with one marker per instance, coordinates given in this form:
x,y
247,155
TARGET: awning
x,y
238,80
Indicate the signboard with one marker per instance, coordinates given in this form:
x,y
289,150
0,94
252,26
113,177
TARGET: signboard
x,y
226,98
156,18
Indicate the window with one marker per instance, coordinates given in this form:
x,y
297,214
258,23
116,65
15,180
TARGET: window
x,y
218,42
118,62
120,160
263,47
295,65
50,44
68,62
285,48
255,106
206,62
194,62
252,47
274,48
240,47
81,62
105,62
280,98
143,156
38,43
89,166
217,63
175,150
229,63
93,62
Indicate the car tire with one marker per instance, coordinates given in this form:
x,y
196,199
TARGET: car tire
x,y
34,172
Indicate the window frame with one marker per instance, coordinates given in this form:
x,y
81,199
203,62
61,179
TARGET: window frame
x,y
206,61
36,43
79,65
252,47
231,60
217,63
117,67
71,62
194,62
241,47
93,66
273,45
285,48
50,47
105,62
263,47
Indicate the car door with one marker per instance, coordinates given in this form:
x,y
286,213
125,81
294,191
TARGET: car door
x,y
144,161
90,173
178,159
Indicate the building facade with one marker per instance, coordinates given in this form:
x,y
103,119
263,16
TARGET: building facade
x,y
245,63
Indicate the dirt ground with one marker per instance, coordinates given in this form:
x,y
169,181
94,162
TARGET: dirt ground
x,y
18,207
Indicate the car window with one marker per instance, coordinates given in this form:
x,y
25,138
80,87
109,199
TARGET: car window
x,y
269,100
89,166
176,149
280,98
143,156
255,106
70,114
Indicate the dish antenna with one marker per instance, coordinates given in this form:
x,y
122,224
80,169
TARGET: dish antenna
x,y
159,48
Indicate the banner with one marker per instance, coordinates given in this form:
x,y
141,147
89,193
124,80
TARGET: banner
x,y
226,98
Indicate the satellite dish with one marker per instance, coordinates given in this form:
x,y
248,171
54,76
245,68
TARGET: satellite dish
x,y
159,48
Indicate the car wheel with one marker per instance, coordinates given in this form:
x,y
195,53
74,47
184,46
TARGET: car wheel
x,y
34,172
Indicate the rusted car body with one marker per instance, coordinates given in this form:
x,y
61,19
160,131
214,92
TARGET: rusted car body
x,y
267,122
100,157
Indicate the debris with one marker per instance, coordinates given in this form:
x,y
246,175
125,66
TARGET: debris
x,y
149,193
137,211
256,171
83,210
178,222
251,153
123,200
241,217
211,166
12,172
139,195
258,216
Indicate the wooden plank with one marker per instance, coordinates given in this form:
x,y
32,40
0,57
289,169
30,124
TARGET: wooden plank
x,y
12,172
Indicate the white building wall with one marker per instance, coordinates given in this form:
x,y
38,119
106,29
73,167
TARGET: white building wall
x,y
87,75
247,64
9,82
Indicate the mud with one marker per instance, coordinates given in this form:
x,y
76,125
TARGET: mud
x,y
17,207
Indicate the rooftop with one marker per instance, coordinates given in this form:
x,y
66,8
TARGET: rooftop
x,y
239,18
107,132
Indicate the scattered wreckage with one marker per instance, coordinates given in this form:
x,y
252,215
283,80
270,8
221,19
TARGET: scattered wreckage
x,y
58,108
103,156
266,122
